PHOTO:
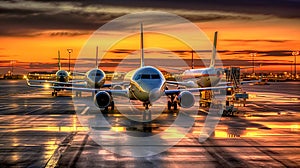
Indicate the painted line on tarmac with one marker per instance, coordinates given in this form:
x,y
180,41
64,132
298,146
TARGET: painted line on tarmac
x,y
85,110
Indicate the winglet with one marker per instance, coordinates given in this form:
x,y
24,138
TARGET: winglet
x,y
58,59
142,46
214,51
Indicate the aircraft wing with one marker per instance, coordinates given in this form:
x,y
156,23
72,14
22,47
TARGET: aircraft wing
x,y
48,82
177,91
189,84
80,89
115,83
78,73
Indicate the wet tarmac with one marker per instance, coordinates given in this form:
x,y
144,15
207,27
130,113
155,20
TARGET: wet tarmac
x,y
38,130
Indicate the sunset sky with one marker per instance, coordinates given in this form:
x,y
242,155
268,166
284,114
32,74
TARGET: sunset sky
x,y
32,32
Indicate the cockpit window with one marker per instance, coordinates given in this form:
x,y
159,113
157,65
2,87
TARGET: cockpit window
x,y
137,77
95,74
155,76
145,76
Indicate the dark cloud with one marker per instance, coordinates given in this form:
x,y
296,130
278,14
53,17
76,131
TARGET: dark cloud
x,y
69,34
36,16
280,8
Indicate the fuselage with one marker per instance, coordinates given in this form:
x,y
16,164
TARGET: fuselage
x,y
95,78
147,84
204,77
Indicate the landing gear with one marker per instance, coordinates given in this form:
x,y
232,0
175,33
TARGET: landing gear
x,y
172,101
54,93
78,94
147,115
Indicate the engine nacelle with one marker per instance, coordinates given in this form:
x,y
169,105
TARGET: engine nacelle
x,y
117,87
102,99
186,99
191,84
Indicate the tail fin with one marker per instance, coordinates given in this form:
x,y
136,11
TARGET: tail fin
x,y
58,59
214,51
142,46
96,57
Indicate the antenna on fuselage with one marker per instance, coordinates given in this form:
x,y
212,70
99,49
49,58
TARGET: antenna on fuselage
x,y
142,46
214,51
58,59
96,57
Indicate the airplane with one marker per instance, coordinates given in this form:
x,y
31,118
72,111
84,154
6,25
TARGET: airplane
x,y
94,78
62,77
202,77
146,84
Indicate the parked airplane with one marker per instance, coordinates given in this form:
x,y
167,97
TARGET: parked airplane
x,y
202,77
94,78
146,84
62,79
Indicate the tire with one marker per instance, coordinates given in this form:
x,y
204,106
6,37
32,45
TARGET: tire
x,y
112,105
175,105
169,105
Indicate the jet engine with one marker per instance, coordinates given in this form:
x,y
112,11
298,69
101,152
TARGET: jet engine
x,y
186,99
102,99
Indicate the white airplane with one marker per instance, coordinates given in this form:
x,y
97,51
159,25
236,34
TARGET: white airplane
x,y
62,79
202,77
146,84
94,78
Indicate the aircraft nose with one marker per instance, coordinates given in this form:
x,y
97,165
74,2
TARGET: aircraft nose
x,y
61,78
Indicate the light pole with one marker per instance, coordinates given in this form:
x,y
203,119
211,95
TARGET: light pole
x,y
12,66
291,68
70,51
295,53
253,55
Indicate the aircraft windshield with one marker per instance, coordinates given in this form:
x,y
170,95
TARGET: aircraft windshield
x,y
97,74
147,76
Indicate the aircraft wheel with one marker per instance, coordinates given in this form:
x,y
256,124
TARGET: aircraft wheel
x,y
175,105
112,105
169,105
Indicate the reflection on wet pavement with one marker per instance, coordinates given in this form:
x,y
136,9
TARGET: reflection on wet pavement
x,y
38,130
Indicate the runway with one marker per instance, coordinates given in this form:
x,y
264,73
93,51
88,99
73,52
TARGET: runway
x,y
38,130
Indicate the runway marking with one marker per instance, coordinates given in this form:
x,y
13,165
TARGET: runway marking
x,y
85,110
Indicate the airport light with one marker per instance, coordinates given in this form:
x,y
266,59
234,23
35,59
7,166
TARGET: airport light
x,y
69,51
295,53
253,55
